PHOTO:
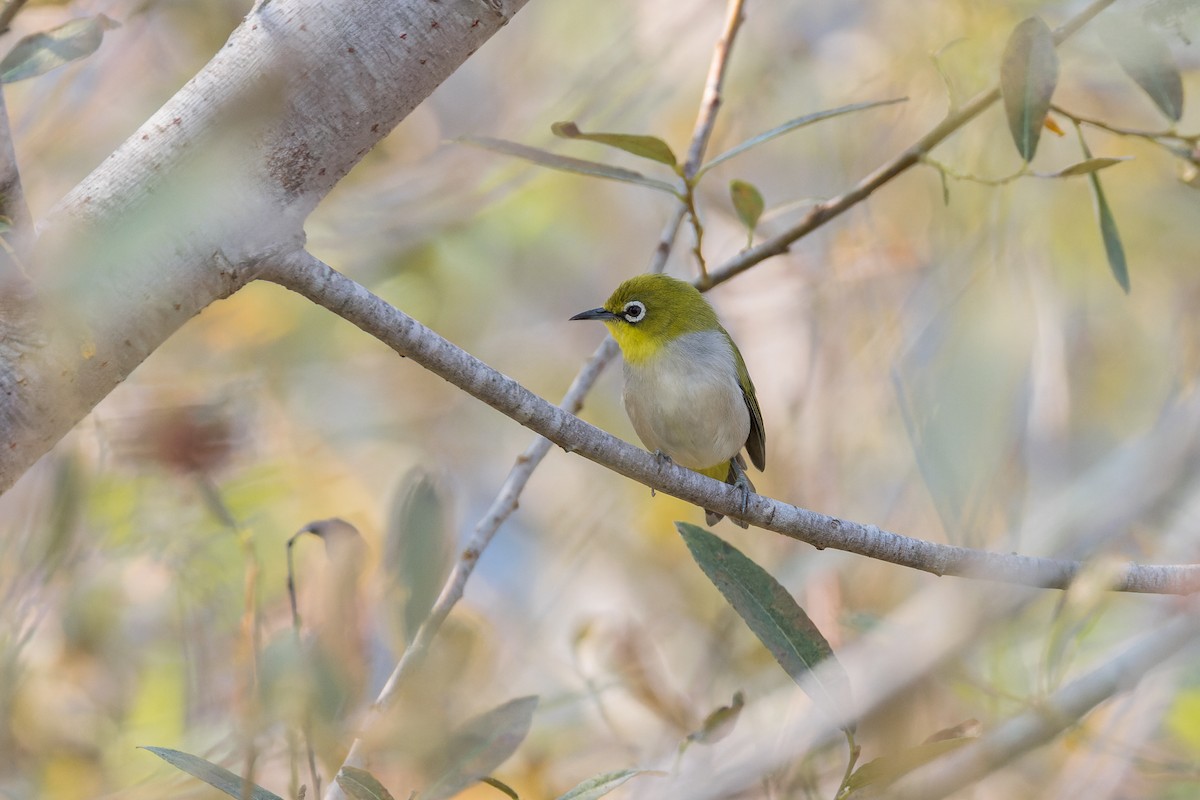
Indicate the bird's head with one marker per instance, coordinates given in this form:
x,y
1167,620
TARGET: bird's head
x,y
648,312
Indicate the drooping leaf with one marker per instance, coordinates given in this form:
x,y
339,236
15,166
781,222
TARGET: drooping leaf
x,y
1088,166
794,124
718,724
748,203
600,785
358,784
501,786
650,147
1028,77
419,551
1114,251
886,770
482,744
1145,57
772,614
39,53
210,773
577,166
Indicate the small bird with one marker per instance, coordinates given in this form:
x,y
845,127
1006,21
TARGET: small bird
x,y
687,390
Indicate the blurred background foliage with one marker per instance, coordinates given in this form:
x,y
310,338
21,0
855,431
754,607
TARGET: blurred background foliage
x,y
966,372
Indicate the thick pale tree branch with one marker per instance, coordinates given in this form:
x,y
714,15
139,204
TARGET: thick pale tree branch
x,y
326,287
222,176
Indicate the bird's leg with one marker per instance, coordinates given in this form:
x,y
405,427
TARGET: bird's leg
x,y
742,483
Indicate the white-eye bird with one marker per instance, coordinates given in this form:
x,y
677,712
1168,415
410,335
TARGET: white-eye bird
x,y
687,390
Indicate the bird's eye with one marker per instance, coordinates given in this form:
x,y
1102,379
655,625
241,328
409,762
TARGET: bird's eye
x,y
635,311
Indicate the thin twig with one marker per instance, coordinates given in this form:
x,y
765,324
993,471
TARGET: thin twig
x,y
320,283
821,213
1161,138
506,501
710,102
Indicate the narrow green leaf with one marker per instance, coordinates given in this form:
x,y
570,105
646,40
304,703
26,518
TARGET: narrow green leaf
x,y
501,786
794,124
886,770
1113,249
577,166
650,147
418,550
771,613
482,744
359,784
600,785
1028,77
748,203
1145,57
1088,166
215,776
39,53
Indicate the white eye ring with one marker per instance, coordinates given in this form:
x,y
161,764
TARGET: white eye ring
x,y
634,311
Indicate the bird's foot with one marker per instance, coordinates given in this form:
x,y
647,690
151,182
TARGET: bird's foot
x,y
663,459
744,486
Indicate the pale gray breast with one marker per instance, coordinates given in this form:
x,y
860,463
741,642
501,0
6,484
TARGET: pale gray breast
x,y
689,404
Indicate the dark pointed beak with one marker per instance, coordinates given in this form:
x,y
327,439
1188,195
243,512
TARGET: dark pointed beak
x,y
595,313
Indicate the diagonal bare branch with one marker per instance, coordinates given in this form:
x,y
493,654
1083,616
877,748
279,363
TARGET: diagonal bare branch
x,y
320,283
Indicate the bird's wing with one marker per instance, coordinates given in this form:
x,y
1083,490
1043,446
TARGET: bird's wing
x,y
756,442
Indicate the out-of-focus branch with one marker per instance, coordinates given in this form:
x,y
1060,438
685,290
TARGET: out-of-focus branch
x,y
506,501
710,101
823,212
315,280
13,210
1051,716
19,336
